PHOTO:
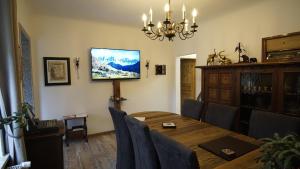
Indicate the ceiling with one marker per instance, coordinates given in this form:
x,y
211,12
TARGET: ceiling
x,y
129,12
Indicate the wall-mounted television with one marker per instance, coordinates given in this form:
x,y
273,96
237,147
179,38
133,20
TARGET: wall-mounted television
x,y
115,64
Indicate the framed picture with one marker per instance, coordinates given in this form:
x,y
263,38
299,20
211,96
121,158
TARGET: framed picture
x,y
57,71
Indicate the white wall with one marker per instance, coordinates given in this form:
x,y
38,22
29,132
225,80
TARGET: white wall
x,y
247,25
64,37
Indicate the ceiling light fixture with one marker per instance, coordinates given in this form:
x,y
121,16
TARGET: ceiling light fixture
x,y
170,28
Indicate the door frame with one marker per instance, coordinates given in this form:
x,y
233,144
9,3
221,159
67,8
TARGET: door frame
x,y
23,32
178,80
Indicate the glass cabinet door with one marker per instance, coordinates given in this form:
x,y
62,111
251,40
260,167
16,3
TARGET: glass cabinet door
x,y
291,94
256,91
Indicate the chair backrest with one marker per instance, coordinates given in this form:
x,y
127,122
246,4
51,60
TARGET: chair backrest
x,y
173,155
265,124
221,115
125,152
144,150
192,108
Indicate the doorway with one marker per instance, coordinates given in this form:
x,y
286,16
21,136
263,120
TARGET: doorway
x,y
26,67
185,79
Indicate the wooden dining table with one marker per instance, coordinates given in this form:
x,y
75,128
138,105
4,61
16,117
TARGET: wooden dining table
x,y
192,132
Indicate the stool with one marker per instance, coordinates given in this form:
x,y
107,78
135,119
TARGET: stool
x,y
75,128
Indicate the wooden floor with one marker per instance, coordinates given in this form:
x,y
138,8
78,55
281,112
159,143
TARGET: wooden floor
x,y
98,153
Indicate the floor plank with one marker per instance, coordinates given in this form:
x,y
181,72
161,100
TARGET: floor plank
x,y
98,153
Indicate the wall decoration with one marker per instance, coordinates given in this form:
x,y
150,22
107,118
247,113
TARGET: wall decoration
x,y
147,65
76,62
57,71
160,69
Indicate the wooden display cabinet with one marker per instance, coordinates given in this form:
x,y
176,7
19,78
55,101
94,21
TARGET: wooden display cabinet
x,y
273,87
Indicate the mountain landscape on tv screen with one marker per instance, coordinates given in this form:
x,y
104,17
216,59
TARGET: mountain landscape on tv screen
x,y
117,66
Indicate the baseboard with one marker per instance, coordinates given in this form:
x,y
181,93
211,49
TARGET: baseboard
x,y
101,133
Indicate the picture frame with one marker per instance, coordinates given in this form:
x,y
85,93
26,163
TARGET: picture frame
x,y
57,71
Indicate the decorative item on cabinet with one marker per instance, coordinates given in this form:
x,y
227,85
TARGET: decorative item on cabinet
x,y
211,58
240,49
223,60
160,69
253,60
281,48
147,65
218,59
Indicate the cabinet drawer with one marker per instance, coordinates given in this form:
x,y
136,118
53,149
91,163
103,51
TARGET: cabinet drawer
x,y
212,95
226,96
212,79
226,80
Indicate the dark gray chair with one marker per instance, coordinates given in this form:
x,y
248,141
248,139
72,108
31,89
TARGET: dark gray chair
x,y
125,152
173,155
221,115
192,108
144,150
265,124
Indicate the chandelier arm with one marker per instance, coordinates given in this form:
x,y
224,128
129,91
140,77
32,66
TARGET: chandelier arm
x,y
154,32
182,36
162,38
190,34
151,37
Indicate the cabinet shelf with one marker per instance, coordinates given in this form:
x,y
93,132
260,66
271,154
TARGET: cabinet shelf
x,y
292,94
254,107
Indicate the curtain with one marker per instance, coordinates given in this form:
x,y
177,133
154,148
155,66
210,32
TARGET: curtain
x,y
8,76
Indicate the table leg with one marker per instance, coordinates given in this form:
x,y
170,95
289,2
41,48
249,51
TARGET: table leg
x,y
85,130
66,133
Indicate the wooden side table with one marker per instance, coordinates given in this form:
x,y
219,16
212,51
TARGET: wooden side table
x,y
75,128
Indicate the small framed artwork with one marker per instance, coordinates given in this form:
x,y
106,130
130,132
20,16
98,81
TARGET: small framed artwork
x,y
57,71
160,69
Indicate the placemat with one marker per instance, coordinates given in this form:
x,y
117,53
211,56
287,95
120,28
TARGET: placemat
x,y
240,147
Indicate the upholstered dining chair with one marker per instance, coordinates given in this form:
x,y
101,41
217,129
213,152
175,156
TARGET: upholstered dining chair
x,y
173,155
265,124
144,150
221,115
192,108
125,152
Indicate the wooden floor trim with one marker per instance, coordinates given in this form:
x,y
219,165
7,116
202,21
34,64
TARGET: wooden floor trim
x,y
101,133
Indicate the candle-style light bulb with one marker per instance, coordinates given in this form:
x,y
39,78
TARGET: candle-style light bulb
x,y
159,25
183,11
194,14
167,10
167,7
186,26
150,12
144,18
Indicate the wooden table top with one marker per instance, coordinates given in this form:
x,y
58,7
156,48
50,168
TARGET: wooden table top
x,y
191,133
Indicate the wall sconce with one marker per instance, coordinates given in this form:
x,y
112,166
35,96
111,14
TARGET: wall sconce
x,y
76,61
147,66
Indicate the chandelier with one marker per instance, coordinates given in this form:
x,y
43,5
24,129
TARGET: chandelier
x,y
169,28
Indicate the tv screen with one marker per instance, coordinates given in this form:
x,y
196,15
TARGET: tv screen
x,y
115,64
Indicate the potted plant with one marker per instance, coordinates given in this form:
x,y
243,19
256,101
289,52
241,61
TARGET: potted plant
x,y
19,117
281,152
